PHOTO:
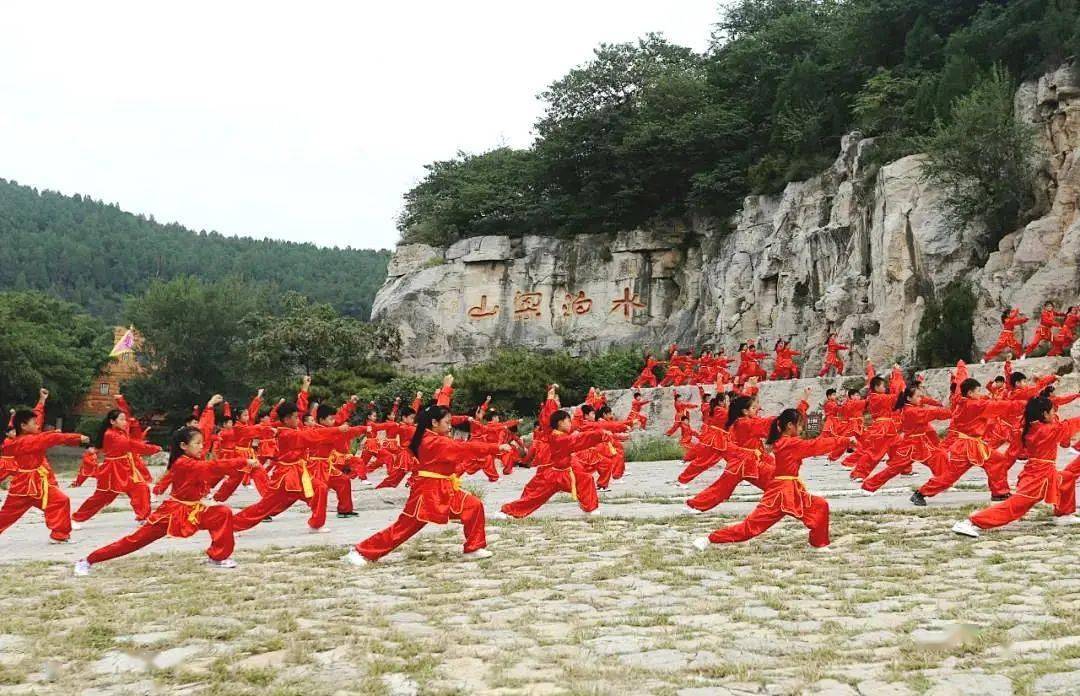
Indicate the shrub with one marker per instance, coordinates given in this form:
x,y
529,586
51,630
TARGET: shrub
x,y
945,332
653,449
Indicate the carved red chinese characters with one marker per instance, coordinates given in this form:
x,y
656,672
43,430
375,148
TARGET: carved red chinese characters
x,y
628,303
482,311
527,304
576,305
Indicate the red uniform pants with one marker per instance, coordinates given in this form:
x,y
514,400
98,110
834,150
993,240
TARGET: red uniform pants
x,y
546,482
341,485
815,516
1042,333
832,363
722,488
472,519
279,500
258,477
57,512
1027,496
697,466
950,471
137,493
1006,341
216,519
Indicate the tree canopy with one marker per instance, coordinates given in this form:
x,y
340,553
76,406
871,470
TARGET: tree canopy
x,y
650,131
96,255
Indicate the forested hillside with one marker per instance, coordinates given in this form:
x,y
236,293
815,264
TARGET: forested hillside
x,y
95,255
652,131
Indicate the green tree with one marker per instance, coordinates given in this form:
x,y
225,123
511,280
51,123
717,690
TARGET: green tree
x,y
45,342
984,157
945,331
194,339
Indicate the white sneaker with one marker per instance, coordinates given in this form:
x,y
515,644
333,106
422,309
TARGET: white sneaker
x,y
966,528
354,558
82,567
318,530
983,361
1066,520
1023,357
478,554
679,484
821,549
364,483
701,543
590,513
498,515
59,541
76,526
868,493
692,511
227,564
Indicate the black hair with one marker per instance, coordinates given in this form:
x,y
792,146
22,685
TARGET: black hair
x,y
602,411
968,385
1015,378
852,392
715,402
22,417
905,397
324,411
182,436
786,418
1000,378
777,344
637,395
586,409
877,381
428,416
406,411
738,407
829,392
556,418
1035,410
742,347
1005,314
286,409
106,423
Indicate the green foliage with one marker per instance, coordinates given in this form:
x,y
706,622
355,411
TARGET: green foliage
x,y
305,338
45,342
984,157
945,332
653,449
97,255
650,131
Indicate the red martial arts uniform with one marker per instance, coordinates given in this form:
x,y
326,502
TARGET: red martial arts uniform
x,y
832,357
883,431
185,513
325,460
964,447
647,378
119,473
750,365
1040,479
712,444
33,483
1007,338
556,473
1066,335
785,494
1048,321
435,496
236,442
918,442
784,366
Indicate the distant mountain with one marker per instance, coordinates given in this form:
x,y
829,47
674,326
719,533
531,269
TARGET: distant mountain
x,y
95,254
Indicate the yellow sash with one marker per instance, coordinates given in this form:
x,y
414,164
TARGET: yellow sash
x,y
984,450
453,478
135,476
196,508
43,472
305,476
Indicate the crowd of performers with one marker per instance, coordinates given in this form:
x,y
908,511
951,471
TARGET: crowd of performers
x,y
300,451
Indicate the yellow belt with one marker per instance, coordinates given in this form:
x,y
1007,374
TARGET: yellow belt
x,y
787,478
135,476
43,472
452,478
984,450
305,476
246,452
196,508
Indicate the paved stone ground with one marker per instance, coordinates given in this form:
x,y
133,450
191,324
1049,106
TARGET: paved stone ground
x,y
616,604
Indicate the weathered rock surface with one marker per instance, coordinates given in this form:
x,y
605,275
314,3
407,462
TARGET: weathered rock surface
x,y
859,250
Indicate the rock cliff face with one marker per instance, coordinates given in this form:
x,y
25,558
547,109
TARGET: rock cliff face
x,y
858,250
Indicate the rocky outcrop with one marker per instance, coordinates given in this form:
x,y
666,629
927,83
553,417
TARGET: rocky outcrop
x,y
859,250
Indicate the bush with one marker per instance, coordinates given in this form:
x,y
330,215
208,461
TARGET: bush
x,y
945,332
653,449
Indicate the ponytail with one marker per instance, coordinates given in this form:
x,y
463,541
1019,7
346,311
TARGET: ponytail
x,y
106,423
429,415
905,398
786,418
738,408
182,436
1034,411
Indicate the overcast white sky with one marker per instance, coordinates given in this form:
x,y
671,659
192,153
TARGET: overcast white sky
x,y
303,121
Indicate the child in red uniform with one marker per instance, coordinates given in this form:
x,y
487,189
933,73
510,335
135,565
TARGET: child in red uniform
x,y
1048,321
832,357
1066,335
1040,479
635,416
33,483
435,494
784,366
647,378
184,513
1010,319
555,471
785,493
326,459
916,441
118,472
875,441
